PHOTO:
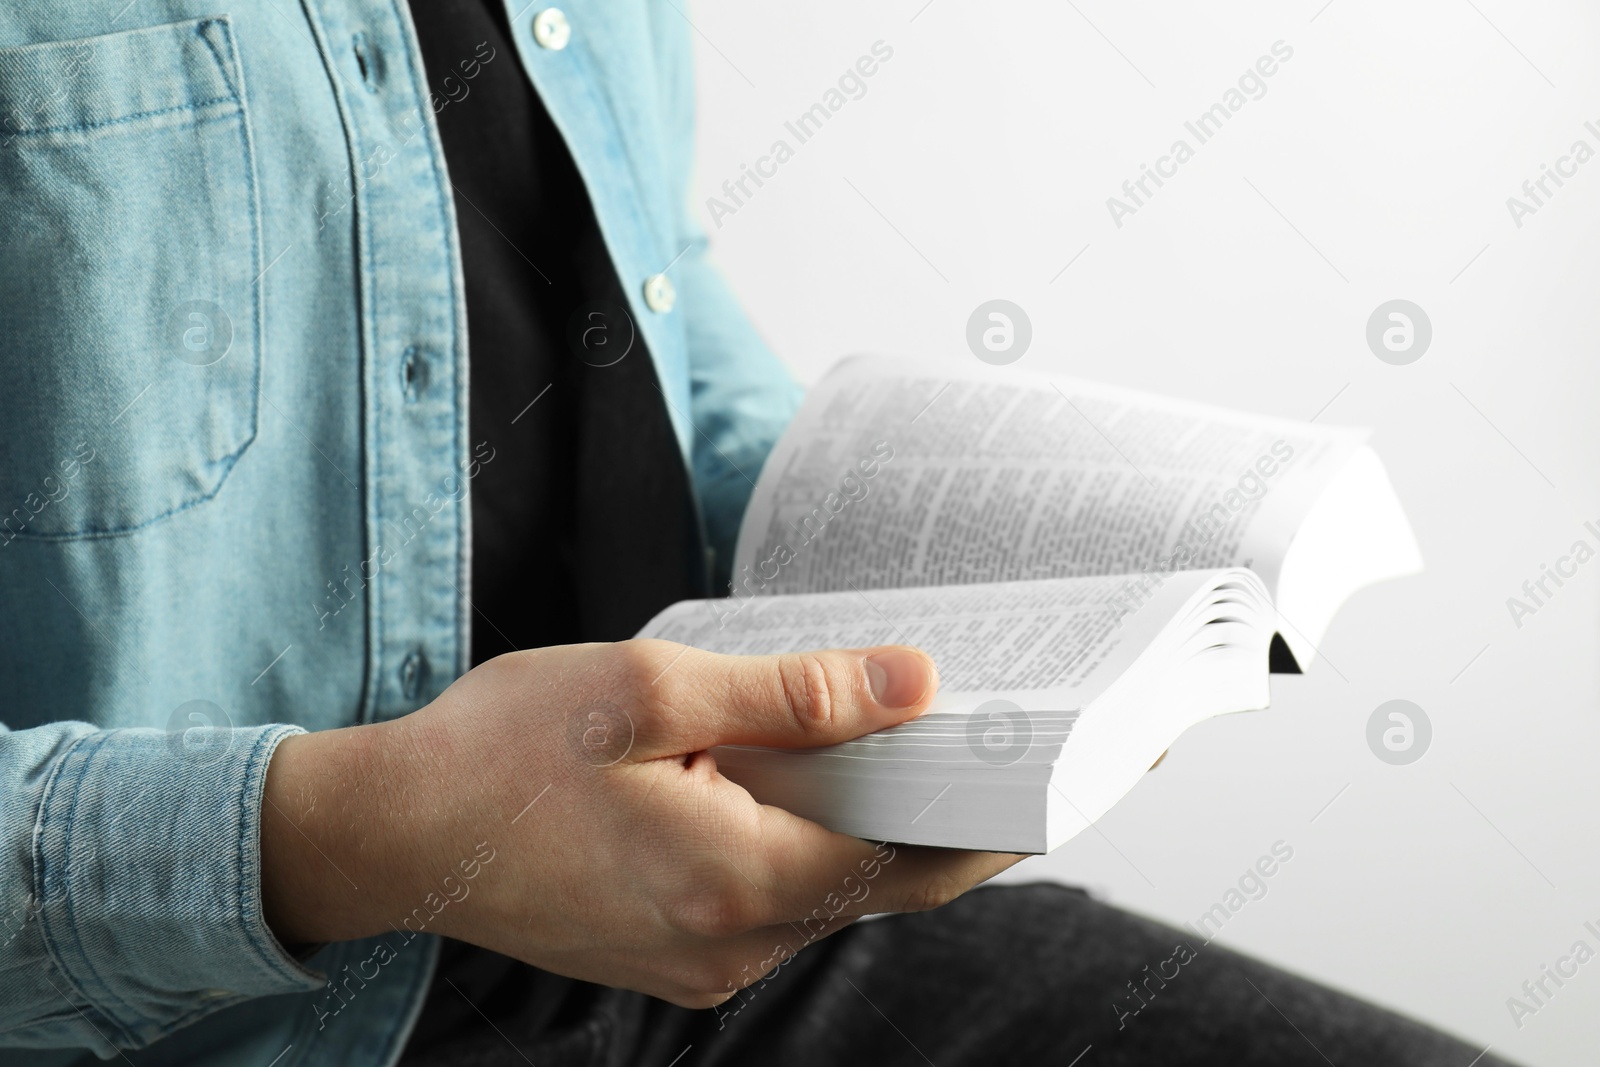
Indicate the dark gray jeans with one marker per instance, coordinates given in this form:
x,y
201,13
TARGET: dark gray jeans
x,y
1005,975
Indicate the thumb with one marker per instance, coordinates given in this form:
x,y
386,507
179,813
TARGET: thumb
x,y
793,700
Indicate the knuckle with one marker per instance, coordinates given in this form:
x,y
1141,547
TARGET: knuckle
x,y
640,660
642,670
712,915
812,691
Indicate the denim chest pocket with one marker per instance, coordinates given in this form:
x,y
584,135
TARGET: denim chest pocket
x,y
130,278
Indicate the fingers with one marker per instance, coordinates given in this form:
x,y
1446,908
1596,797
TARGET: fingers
x,y
767,866
811,875
696,700
736,969
733,948
741,941
919,878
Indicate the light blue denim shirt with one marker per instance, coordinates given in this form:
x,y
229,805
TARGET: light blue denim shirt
x,y
235,463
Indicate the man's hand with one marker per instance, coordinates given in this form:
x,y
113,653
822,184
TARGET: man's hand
x,y
574,785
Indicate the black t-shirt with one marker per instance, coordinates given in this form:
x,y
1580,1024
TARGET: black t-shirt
x,y
582,522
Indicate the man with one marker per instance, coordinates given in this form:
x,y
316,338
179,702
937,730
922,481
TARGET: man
x,y
251,479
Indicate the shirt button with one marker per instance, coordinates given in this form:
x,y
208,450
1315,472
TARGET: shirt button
x,y
551,29
659,295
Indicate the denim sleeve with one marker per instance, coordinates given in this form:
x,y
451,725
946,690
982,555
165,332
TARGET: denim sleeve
x,y
131,885
742,397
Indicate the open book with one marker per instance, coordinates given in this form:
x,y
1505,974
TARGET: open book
x,y
1093,569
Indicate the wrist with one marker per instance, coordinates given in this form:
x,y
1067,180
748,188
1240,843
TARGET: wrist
x,y
323,845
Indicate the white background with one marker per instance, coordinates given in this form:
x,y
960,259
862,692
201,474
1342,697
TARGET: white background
x,y
1377,166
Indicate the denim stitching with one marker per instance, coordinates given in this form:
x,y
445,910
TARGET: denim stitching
x,y
99,533
370,474
463,508
144,1030
172,1026
155,1030
90,743
223,68
196,106
42,823
258,286
256,774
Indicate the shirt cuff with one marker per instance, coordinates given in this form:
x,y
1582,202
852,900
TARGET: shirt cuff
x,y
147,863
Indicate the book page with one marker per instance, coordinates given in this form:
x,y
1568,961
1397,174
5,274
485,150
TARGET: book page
x,y
895,475
1061,641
